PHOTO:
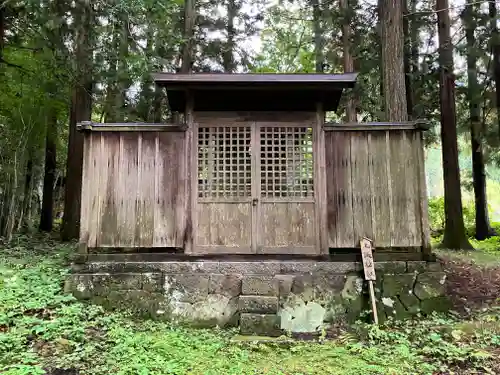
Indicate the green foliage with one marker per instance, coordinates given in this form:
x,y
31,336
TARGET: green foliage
x,y
437,219
436,215
42,328
489,245
443,343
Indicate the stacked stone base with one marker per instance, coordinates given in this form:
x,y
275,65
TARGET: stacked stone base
x,y
263,297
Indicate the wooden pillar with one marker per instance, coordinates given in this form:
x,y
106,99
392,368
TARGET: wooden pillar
x,y
191,175
424,218
319,151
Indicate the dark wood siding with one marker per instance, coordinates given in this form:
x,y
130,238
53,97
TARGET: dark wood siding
x,y
375,188
133,189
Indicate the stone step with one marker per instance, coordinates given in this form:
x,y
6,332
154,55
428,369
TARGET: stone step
x,y
260,324
260,285
258,304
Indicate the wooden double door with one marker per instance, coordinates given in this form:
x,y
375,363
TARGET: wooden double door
x,y
255,189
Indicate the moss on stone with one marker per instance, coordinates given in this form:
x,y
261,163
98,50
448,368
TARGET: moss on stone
x,y
430,285
394,285
435,304
394,308
260,324
335,310
410,302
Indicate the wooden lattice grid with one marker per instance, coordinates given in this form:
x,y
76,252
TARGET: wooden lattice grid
x,y
286,162
224,162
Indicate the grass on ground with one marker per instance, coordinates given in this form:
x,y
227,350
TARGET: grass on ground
x,y
44,331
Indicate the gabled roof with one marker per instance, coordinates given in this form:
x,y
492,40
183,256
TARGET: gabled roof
x,y
253,91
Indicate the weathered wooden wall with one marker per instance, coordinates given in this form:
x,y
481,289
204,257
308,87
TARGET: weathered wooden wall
x,y
137,189
376,188
133,192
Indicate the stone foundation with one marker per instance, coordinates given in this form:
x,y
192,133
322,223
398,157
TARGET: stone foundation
x,y
262,297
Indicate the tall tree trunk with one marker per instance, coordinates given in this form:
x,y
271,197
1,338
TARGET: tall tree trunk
x,y
393,60
454,231
407,60
483,228
28,183
120,81
414,43
381,69
110,110
13,197
123,74
189,22
81,109
318,36
157,99
187,46
229,49
47,212
6,189
495,49
2,29
145,105
348,59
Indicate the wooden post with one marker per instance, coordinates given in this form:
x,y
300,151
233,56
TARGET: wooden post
x,y
369,269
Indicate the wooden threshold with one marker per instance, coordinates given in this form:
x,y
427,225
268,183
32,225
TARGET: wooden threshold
x,y
156,254
299,250
201,250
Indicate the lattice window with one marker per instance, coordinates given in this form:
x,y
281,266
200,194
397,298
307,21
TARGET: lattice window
x,y
224,162
286,162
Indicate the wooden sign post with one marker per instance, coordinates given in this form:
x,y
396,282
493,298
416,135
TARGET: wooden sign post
x,y
369,269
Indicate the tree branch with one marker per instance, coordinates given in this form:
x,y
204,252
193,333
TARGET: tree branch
x,y
3,61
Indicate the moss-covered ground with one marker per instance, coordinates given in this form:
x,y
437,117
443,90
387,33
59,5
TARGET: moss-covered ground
x,y
44,331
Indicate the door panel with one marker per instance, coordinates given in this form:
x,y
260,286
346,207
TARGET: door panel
x,y
224,225
255,189
287,217
288,227
224,199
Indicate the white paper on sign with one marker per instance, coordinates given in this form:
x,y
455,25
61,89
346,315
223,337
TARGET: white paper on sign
x,y
367,257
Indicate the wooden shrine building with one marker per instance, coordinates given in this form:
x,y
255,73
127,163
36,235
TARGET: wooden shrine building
x,y
253,168
250,210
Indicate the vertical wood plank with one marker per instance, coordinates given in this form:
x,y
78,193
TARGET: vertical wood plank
x,y
255,210
321,204
339,190
108,184
422,185
128,188
86,186
411,193
103,179
145,190
361,186
190,188
169,206
379,183
371,187
94,205
136,190
159,233
399,154
389,184
183,189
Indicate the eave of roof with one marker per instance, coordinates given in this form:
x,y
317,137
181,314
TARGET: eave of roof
x,y
255,91
337,80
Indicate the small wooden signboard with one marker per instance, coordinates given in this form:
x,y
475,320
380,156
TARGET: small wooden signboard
x,y
369,269
367,257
